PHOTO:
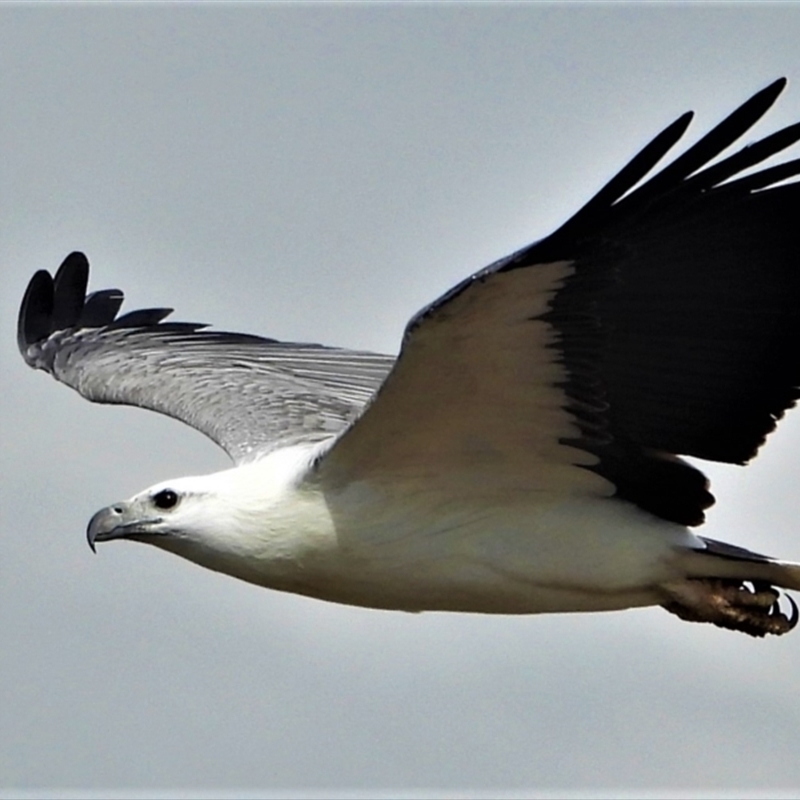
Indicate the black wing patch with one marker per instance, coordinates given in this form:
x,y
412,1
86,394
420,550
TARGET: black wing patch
x,y
680,328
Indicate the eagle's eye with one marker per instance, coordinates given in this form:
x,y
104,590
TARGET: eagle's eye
x,y
165,499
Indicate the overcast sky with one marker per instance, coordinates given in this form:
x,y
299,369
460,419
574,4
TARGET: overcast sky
x,y
318,173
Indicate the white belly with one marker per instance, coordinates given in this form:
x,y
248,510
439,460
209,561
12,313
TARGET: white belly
x,y
419,548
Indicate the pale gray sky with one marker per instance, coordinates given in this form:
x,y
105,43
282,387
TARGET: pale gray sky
x,y
318,173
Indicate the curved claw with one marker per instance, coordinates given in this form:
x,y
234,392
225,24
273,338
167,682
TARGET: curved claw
x,y
734,605
795,613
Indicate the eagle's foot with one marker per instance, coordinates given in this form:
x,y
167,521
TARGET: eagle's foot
x,y
751,607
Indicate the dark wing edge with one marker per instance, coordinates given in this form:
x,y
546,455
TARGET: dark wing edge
x,y
680,321
247,393
678,329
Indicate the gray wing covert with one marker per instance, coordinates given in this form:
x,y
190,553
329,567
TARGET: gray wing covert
x,y
249,394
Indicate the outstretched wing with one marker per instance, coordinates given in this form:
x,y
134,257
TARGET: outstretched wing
x,y
660,320
248,394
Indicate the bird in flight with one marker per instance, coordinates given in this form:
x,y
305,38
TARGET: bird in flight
x,y
522,454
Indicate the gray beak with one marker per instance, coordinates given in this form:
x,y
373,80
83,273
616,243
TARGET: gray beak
x,y
117,521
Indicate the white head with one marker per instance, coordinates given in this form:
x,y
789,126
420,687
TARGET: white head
x,y
228,521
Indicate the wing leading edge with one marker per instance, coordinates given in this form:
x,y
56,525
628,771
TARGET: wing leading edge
x,y
249,394
659,321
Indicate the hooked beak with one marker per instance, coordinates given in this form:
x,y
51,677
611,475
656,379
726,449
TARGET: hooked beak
x,y
118,521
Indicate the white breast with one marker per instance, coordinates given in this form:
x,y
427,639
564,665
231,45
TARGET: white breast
x,y
437,544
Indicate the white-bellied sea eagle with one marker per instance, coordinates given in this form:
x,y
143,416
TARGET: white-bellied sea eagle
x,y
522,453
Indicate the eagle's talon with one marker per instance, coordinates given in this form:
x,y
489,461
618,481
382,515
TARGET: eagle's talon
x,y
734,606
795,613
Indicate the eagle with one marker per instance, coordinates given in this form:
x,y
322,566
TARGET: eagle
x,y
524,451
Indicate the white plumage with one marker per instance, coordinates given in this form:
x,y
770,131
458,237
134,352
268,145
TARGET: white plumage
x,y
522,453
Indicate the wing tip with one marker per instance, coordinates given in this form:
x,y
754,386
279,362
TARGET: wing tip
x,y
60,303
775,88
36,310
53,302
69,290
